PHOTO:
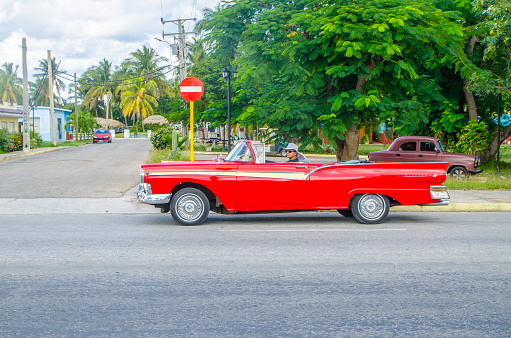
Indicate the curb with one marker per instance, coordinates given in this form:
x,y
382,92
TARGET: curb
x,y
453,207
20,154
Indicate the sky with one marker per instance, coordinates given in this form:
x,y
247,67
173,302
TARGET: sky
x,y
81,33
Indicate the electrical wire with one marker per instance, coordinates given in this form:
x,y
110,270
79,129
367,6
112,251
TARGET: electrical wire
x,y
111,82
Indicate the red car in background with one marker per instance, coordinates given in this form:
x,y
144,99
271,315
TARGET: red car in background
x,y
244,182
101,135
427,149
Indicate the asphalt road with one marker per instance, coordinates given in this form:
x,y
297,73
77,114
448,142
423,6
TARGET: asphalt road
x,y
92,170
285,275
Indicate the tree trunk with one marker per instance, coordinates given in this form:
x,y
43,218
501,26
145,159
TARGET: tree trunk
x,y
471,102
347,149
492,148
469,96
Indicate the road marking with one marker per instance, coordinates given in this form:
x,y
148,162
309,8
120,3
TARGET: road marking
x,y
312,230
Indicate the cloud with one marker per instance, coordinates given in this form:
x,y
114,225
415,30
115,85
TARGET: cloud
x,y
81,33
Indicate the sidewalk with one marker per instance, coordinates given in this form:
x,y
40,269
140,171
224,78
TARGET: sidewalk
x,y
20,154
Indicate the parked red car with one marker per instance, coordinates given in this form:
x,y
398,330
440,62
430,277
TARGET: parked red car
x,y
244,182
427,149
102,135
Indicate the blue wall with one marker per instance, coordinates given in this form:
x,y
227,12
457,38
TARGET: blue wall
x,y
43,113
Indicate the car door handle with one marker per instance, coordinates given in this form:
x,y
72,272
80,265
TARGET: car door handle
x,y
301,166
398,154
420,155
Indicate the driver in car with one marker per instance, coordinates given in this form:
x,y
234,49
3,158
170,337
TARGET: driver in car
x,y
292,153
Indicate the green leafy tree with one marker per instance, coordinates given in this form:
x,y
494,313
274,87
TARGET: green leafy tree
x,y
372,58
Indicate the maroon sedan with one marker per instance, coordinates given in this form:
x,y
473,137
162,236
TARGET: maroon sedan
x,y
427,149
101,135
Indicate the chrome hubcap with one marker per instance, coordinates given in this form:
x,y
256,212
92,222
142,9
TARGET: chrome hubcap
x,y
371,206
458,174
190,207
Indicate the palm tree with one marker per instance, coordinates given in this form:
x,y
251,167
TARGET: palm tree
x,y
10,84
59,85
146,63
138,98
97,81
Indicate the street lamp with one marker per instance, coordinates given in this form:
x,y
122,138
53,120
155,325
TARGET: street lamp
x,y
226,74
499,99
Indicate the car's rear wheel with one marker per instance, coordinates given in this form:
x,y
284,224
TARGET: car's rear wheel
x,y
283,152
459,173
189,206
370,208
345,212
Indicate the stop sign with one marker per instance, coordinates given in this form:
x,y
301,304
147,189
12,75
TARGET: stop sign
x,y
191,89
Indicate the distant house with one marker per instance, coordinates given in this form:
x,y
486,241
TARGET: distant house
x,y
40,122
9,116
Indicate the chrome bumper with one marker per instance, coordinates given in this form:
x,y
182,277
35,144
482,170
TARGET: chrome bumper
x,y
438,192
145,195
440,203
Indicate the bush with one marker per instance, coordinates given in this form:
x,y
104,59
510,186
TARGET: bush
x,y
473,138
163,138
5,141
16,141
35,140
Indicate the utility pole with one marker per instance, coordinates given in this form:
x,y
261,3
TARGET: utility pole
x,y
26,113
182,53
181,37
76,110
50,95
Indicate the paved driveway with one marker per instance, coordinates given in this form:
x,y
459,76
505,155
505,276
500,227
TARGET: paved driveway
x,y
93,170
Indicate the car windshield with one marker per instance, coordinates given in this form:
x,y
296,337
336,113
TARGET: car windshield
x,y
440,147
101,131
240,153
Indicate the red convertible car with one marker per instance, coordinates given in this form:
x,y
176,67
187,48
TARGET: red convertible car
x,y
245,182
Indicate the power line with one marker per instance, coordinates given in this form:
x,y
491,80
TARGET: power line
x,y
111,82
63,75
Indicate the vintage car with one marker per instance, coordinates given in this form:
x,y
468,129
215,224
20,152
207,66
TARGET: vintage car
x,y
427,149
244,182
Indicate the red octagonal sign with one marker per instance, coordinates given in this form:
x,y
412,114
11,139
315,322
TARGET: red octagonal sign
x,y
191,89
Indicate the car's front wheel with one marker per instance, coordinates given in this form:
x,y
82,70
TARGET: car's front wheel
x,y
370,208
189,206
459,173
283,152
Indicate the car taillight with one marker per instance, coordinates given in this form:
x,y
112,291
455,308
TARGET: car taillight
x,y
142,176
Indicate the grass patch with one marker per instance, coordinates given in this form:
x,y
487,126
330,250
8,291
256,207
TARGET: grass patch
x,y
365,149
159,155
487,180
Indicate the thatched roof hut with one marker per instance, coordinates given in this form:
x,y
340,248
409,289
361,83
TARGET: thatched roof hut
x,y
155,120
114,124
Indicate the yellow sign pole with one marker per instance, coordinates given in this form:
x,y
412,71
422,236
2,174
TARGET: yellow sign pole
x,y
191,131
